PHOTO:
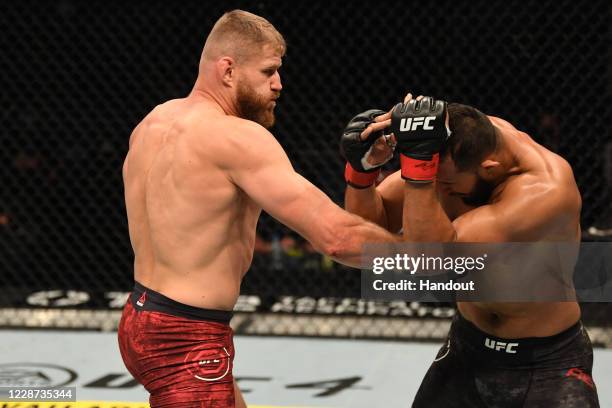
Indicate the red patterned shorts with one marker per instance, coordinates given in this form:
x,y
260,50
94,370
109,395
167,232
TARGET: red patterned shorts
x,y
183,355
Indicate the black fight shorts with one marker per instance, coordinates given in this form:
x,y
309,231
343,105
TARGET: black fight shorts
x,y
477,370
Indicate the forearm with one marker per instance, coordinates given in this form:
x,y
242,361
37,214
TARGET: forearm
x,y
353,235
366,203
424,220
342,236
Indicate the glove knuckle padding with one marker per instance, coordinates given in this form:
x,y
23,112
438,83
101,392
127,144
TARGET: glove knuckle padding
x,y
426,104
420,130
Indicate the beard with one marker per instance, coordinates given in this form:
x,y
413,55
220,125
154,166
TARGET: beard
x,y
252,106
480,194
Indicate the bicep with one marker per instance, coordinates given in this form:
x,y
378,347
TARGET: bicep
x,y
481,224
287,196
268,178
527,216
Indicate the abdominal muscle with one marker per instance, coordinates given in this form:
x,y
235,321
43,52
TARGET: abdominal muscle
x,y
521,320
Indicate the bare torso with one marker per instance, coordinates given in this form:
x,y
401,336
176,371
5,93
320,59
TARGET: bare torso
x,y
191,228
519,320
540,171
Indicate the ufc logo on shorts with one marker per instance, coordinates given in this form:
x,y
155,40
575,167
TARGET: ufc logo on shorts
x,y
407,124
501,346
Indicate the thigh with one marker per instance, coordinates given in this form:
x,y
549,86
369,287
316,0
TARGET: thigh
x,y
566,381
238,397
567,388
449,383
199,373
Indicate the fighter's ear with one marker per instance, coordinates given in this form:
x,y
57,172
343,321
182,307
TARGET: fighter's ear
x,y
489,163
226,70
489,166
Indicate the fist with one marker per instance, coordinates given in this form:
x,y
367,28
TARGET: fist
x,y
419,127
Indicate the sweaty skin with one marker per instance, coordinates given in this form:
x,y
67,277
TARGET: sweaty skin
x,y
190,227
536,200
196,179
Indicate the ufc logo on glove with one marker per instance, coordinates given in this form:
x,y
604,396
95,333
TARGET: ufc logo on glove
x,y
420,130
408,124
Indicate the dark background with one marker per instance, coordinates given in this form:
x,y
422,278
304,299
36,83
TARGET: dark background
x,y
76,77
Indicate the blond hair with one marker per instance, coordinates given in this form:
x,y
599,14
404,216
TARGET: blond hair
x,y
240,34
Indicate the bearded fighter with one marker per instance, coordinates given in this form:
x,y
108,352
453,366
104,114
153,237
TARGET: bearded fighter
x,y
198,173
469,177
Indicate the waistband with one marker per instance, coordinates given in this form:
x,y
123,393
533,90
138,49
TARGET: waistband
x,y
143,298
493,349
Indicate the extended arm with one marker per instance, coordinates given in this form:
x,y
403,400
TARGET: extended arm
x,y
266,175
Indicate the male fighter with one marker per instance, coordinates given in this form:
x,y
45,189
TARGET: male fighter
x,y
197,175
486,182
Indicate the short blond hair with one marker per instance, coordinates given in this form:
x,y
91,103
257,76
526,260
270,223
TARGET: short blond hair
x,y
240,34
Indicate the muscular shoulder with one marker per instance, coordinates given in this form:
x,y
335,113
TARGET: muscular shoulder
x,y
235,144
246,134
558,188
556,180
501,123
245,137
549,179
160,117
538,205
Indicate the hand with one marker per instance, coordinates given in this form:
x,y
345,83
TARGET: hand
x,y
365,148
381,152
420,127
362,143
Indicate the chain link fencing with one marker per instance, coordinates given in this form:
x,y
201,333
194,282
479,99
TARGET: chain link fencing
x,y
76,77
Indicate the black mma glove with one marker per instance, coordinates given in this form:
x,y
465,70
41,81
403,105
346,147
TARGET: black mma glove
x,y
420,131
358,172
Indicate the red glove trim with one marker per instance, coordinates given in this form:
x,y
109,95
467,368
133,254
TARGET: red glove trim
x,y
358,179
423,171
